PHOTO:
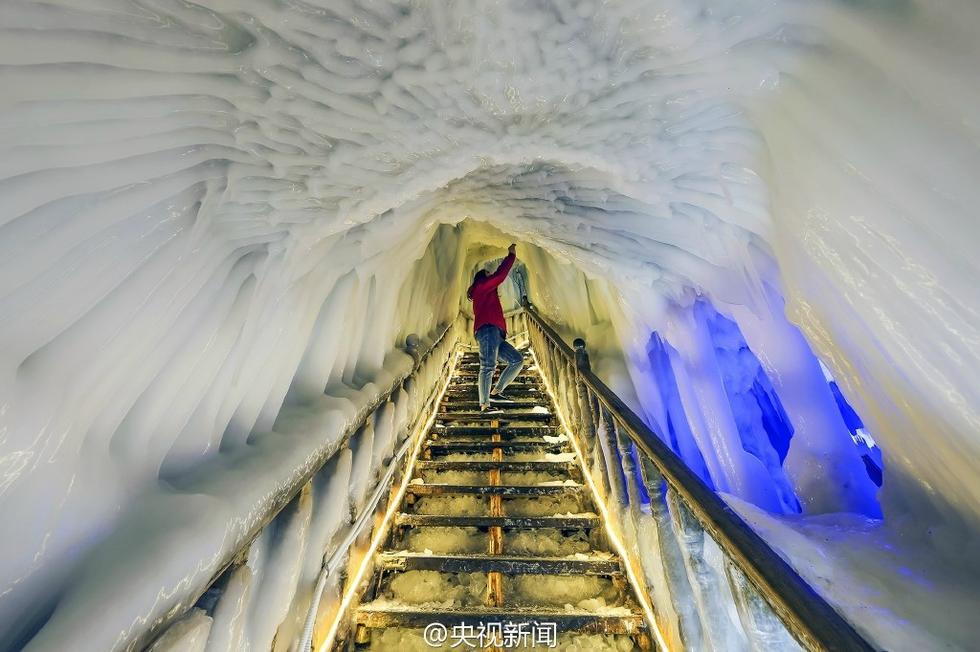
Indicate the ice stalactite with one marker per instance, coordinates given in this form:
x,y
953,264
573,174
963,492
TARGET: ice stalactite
x,y
228,623
823,463
190,634
672,421
732,468
741,374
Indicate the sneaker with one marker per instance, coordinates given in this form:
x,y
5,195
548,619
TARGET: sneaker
x,y
500,396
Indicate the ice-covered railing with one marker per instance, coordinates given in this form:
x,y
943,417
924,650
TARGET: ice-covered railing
x,y
713,582
205,585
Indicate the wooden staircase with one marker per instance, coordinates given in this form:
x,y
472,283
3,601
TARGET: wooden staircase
x,y
497,540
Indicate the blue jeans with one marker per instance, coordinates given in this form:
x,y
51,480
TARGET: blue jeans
x,y
492,346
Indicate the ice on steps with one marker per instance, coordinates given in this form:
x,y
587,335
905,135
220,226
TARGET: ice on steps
x,y
543,506
454,504
586,592
530,478
546,542
447,540
419,587
539,456
455,477
465,457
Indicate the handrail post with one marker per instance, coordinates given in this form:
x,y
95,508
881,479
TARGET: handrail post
x,y
581,355
606,430
709,590
671,557
588,416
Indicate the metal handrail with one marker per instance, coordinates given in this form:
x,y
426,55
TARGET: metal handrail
x,y
286,497
807,616
332,563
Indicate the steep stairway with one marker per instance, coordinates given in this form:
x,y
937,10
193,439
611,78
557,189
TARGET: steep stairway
x,y
497,544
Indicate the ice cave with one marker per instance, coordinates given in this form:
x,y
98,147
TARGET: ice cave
x,y
236,238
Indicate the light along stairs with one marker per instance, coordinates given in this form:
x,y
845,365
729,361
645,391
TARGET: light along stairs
x,y
527,552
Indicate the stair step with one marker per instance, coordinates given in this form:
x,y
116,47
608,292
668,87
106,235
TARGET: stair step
x,y
516,427
509,407
470,356
471,376
488,465
523,381
577,521
504,431
505,438
459,388
476,417
457,384
470,395
507,564
495,490
439,447
565,620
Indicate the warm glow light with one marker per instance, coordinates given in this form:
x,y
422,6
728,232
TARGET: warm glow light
x,y
352,586
613,536
382,530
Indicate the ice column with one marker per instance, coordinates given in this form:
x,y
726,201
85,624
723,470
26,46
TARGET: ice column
x,y
710,415
823,464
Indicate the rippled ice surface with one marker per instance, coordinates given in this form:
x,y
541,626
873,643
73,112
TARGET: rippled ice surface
x,y
199,191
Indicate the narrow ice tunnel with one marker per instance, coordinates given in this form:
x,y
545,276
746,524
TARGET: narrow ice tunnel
x,y
220,222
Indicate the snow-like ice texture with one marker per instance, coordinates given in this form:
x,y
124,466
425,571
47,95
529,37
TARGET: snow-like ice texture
x,y
447,540
546,542
586,592
218,220
453,504
542,506
438,589
857,564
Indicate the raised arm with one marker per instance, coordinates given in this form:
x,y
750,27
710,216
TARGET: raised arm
x,y
498,276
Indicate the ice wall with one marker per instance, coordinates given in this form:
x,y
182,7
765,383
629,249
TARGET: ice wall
x,y
211,210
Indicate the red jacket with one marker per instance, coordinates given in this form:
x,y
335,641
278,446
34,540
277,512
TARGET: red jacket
x,y
486,303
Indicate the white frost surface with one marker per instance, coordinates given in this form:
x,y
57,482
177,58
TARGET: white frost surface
x,y
899,596
218,219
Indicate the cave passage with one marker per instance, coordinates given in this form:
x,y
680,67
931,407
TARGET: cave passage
x,y
235,243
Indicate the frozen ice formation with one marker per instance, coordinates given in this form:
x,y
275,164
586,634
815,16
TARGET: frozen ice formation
x,y
218,221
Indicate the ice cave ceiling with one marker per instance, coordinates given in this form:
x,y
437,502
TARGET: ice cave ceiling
x,y
210,209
